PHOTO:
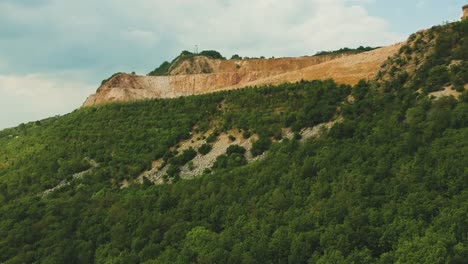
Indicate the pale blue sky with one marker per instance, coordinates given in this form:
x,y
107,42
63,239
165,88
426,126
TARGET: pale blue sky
x,y
53,53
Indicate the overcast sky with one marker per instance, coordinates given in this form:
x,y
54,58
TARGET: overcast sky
x,y
54,53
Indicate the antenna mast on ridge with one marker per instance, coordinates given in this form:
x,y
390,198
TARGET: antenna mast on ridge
x,y
196,49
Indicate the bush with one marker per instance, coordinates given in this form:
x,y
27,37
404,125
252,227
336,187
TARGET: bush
x,y
205,149
112,76
185,157
345,50
229,161
212,137
212,54
173,170
260,146
163,69
438,76
343,130
297,136
235,149
246,134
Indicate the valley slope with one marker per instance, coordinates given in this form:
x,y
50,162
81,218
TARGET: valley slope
x,y
303,172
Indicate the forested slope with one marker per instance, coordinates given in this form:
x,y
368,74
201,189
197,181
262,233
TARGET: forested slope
x,y
387,184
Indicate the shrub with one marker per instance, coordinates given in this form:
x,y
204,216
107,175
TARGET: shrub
x,y
438,76
108,79
173,170
185,157
212,54
235,149
246,134
297,136
205,149
163,69
212,137
229,161
260,146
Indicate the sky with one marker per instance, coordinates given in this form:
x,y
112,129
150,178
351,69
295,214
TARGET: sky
x,y
54,53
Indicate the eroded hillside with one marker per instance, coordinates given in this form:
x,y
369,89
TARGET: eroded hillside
x,y
204,75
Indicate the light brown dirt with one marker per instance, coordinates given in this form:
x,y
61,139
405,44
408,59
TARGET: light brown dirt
x,y
234,74
201,162
448,91
347,69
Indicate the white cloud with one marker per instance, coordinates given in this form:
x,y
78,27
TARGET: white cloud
x,y
3,63
261,27
141,37
30,97
361,1
267,27
420,4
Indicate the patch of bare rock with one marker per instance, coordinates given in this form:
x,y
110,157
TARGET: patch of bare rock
x,y
201,163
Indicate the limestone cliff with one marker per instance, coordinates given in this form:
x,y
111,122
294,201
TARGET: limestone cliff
x,y
203,75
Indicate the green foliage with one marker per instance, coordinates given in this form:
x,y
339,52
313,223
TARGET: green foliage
x,y
205,149
438,77
345,50
234,157
260,146
440,56
212,137
229,161
186,156
213,54
112,76
459,73
163,69
235,149
186,53
124,138
386,185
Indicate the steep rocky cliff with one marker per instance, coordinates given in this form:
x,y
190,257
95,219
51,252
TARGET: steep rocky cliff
x,y
203,75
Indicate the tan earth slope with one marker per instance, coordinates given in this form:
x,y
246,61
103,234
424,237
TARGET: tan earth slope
x,y
202,75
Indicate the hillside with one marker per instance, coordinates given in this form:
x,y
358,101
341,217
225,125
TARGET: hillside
x,y
200,75
303,172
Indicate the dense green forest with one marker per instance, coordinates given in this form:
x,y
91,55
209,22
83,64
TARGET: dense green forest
x,y
387,184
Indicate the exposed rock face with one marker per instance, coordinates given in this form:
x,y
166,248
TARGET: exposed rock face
x,y
465,12
189,77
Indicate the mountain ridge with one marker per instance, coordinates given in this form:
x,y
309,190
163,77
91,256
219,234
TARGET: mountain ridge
x,y
202,75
